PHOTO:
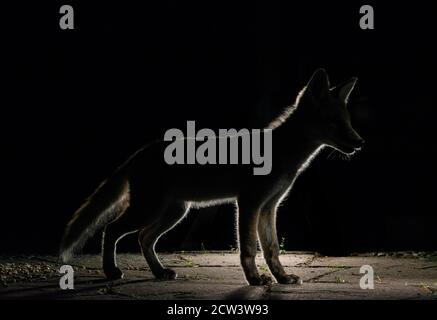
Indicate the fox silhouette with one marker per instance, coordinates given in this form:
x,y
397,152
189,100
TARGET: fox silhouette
x,y
149,197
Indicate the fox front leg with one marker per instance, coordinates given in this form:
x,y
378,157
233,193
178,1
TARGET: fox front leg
x,y
270,246
247,231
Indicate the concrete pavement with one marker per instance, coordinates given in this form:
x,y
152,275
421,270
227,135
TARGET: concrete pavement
x,y
217,275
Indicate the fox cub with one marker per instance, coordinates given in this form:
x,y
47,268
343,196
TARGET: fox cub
x,y
149,197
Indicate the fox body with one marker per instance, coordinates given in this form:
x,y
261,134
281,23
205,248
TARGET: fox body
x,y
149,197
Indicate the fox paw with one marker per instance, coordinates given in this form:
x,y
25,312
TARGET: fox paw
x,y
113,274
290,279
263,280
167,274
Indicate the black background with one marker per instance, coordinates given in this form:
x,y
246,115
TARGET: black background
x,y
77,103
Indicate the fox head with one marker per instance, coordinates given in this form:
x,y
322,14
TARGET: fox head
x,y
326,115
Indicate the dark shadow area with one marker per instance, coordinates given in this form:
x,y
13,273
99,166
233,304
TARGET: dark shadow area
x,y
247,293
102,285
55,286
78,103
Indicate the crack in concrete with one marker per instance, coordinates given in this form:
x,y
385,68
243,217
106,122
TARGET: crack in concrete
x,y
308,262
314,279
429,267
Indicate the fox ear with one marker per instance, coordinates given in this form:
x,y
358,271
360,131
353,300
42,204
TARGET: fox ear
x,y
344,90
318,86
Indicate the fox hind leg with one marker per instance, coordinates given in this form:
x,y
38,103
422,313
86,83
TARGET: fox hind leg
x,y
149,235
113,233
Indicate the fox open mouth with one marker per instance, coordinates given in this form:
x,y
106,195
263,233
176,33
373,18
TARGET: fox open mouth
x,y
347,148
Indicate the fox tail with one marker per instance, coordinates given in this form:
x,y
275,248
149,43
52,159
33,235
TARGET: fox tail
x,y
104,205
